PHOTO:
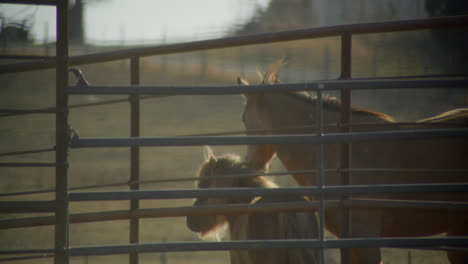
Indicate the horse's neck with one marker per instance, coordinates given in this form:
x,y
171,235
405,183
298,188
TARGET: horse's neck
x,y
238,230
238,227
296,109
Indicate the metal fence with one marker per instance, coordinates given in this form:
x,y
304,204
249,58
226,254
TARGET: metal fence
x,y
66,139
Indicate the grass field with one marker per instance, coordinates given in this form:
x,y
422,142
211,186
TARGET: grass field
x,y
167,116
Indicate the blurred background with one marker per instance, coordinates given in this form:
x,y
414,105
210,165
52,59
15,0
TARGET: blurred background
x,y
102,25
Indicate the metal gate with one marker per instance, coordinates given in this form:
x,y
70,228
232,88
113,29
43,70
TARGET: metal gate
x,y
66,139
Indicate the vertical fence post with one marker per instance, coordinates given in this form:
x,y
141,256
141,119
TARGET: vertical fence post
x,y
320,173
345,225
134,153
326,63
61,137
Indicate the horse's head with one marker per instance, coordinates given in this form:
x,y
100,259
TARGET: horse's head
x,y
212,174
258,156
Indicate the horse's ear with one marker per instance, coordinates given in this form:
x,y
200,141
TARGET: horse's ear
x,y
241,81
209,156
213,161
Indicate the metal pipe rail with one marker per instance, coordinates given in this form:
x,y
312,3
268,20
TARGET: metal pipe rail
x,y
270,139
246,192
30,2
243,175
33,151
26,257
27,251
231,209
282,87
27,207
270,244
263,38
28,164
420,243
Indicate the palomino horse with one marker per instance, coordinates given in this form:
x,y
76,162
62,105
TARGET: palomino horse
x,y
252,226
294,113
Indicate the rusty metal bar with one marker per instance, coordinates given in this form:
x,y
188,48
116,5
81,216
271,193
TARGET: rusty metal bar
x,y
263,38
345,153
134,154
61,137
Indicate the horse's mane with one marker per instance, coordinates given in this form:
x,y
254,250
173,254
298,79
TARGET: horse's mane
x,y
271,77
231,165
228,165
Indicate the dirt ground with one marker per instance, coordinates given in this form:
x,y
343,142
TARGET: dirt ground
x,y
168,116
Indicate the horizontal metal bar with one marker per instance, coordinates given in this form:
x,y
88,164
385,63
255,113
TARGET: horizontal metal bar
x,y
382,126
394,188
285,87
187,194
246,192
26,251
34,151
27,222
27,164
394,204
107,102
230,176
30,2
270,139
26,257
26,57
163,212
14,112
84,187
270,244
231,209
262,38
27,206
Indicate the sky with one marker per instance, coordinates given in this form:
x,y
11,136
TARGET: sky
x,y
142,21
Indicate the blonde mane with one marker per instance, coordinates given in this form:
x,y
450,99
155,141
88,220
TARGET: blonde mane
x,y
230,166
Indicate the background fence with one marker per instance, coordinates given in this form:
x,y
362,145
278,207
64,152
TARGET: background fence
x,y
67,138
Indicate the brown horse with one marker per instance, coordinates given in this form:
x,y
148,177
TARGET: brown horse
x,y
252,226
294,113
